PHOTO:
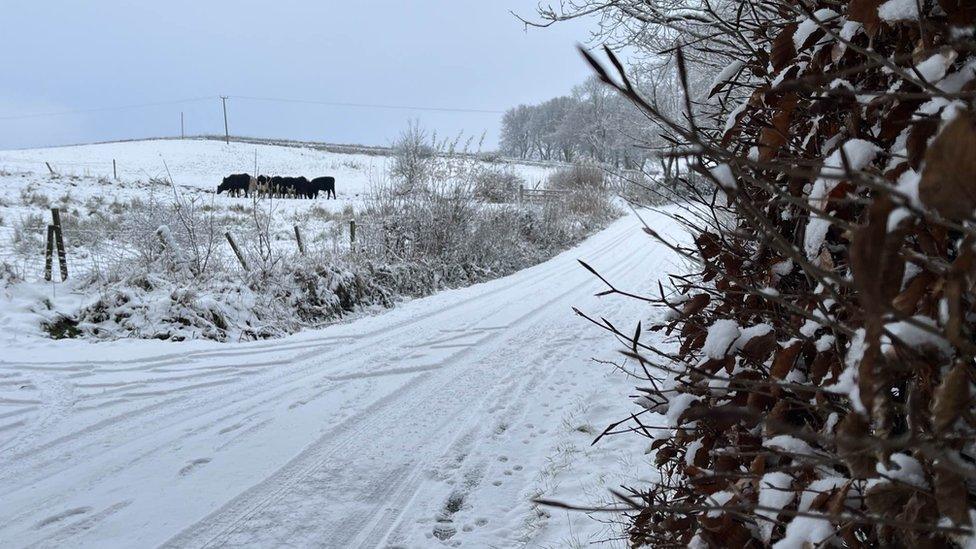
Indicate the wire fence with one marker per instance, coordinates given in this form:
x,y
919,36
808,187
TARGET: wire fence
x,y
87,253
69,169
110,248
98,245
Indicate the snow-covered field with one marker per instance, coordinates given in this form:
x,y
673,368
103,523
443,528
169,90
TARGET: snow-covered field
x,y
202,163
435,424
85,182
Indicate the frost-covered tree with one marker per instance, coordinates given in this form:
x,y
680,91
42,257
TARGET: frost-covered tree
x,y
592,123
516,135
414,156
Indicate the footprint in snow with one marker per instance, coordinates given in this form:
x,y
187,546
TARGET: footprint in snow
x,y
189,467
226,430
61,516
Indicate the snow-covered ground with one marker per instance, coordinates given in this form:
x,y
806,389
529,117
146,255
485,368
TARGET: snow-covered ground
x,y
84,182
202,163
434,424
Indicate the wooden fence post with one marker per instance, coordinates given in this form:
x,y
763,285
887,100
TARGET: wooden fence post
x,y
298,239
237,251
59,241
521,193
49,253
352,234
50,169
115,171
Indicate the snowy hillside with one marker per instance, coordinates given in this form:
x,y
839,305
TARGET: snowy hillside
x,y
202,163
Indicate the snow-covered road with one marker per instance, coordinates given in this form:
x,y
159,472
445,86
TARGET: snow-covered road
x,y
432,423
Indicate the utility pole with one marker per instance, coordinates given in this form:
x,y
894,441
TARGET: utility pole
x,y
223,99
182,131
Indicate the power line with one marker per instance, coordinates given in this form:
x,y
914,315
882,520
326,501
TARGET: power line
x,y
251,98
105,109
365,105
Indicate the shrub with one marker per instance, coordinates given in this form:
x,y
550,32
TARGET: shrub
x,y
30,197
579,177
62,327
30,234
414,157
496,184
461,240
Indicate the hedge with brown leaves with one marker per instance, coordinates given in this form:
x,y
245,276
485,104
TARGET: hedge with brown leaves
x,y
821,391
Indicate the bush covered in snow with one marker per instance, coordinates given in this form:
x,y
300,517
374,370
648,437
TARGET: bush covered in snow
x,y
496,183
443,229
578,177
300,293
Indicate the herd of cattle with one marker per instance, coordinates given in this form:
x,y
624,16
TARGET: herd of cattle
x,y
263,186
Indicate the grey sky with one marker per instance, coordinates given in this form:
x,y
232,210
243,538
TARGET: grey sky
x,y
68,55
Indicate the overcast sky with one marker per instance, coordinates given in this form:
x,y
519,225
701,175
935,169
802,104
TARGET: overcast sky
x,y
61,55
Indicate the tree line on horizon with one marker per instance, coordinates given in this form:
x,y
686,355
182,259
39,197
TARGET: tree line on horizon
x,y
592,123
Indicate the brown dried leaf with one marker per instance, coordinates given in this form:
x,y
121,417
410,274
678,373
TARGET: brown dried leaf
x,y
734,129
870,261
908,299
773,137
962,13
951,495
918,140
784,361
758,349
783,50
695,305
854,446
866,13
951,398
919,510
887,498
821,365
897,119
948,183
836,505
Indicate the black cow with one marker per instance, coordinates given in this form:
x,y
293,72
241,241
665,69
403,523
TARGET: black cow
x,y
303,189
326,184
235,184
